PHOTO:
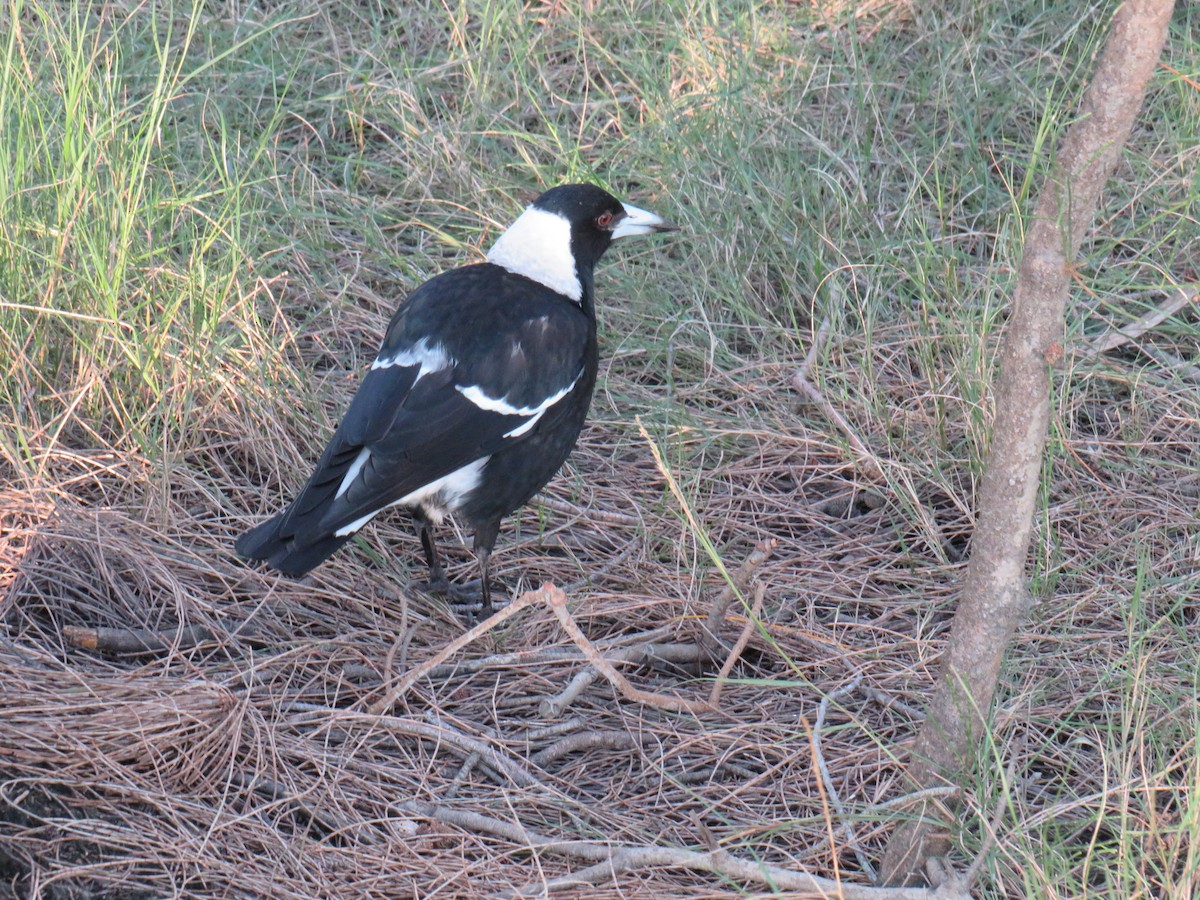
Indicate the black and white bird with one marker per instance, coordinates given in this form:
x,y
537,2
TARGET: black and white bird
x,y
477,396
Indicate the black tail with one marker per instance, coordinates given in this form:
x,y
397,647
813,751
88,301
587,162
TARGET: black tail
x,y
286,552
302,536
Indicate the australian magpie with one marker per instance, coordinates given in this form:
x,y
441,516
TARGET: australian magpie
x,y
477,396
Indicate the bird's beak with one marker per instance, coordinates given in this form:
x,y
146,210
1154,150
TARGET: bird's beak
x,y
639,221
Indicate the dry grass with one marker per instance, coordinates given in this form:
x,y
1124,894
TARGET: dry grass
x,y
177,724
239,761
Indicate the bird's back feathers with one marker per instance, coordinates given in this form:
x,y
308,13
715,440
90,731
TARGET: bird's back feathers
x,y
443,393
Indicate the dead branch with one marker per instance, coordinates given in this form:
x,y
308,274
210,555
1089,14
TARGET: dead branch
x,y
736,586
752,621
887,701
1117,337
414,675
1168,360
993,824
555,729
733,586
440,734
827,778
613,859
558,605
582,742
866,459
154,640
679,654
276,792
599,516
994,597
135,640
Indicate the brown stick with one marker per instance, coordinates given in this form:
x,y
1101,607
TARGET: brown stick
x,y
1117,337
994,596
736,586
679,654
135,640
414,675
866,459
583,741
612,859
714,696
558,605
439,734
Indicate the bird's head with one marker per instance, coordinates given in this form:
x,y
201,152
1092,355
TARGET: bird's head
x,y
561,236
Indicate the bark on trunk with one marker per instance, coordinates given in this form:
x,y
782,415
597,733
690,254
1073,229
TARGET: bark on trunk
x,y
994,597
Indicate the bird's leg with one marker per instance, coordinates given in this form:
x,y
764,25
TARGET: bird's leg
x,y
438,582
485,540
464,598
484,555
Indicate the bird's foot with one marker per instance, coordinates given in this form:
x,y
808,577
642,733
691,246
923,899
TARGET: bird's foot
x,y
465,600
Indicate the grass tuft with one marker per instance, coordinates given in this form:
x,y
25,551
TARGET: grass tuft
x,y
208,212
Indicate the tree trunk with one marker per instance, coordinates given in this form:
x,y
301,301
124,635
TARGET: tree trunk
x,y
994,597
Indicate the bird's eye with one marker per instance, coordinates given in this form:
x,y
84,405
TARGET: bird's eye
x,y
604,220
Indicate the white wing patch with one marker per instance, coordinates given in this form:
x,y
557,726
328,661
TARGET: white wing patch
x,y
538,246
353,527
492,404
440,496
352,472
430,357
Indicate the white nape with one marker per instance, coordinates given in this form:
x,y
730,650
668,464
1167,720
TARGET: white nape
x,y
538,246
440,496
430,357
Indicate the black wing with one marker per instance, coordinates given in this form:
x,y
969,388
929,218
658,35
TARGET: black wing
x,y
475,361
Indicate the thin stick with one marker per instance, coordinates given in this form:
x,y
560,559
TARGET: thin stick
x,y
558,605
583,741
135,640
673,653
615,858
500,617
866,459
827,779
1116,337
736,586
440,734
994,823
714,696
1169,360
673,486
946,791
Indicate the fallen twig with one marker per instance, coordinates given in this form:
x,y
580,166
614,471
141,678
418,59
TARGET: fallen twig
x,y
736,586
413,676
558,605
1168,360
993,826
866,459
440,734
612,859
714,696
827,779
595,516
581,741
1117,337
946,791
276,792
889,702
460,777
135,640
638,653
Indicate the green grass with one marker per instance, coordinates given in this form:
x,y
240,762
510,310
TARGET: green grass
x,y
209,211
